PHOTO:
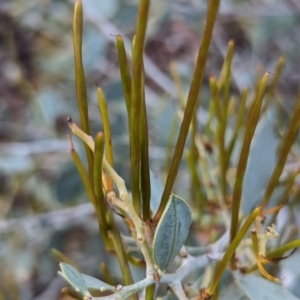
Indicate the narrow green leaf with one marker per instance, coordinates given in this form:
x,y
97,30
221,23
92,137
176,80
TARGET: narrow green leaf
x,y
107,134
106,273
283,248
106,126
237,126
124,71
241,168
284,151
119,248
212,11
221,129
197,193
75,279
60,257
224,80
83,174
278,71
145,170
80,78
100,201
231,249
136,102
171,231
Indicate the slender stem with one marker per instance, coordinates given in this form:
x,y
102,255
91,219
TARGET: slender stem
x,y
284,198
62,258
224,80
83,174
100,203
118,246
198,196
107,274
124,72
282,249
241,168
285,149
221,129
259,259
150,290
238,125
125,204
80,79
135,106
107,134
278,71
212,12
273,83
231,249
145,169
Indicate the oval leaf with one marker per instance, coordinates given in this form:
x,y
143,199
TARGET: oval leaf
x,y
171,231
96,284
74,278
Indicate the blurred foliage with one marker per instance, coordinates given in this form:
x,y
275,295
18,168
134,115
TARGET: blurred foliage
x,y
37,92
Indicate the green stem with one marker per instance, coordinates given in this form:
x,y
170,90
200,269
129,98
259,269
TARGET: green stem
x,y
107,133
194,91
80,79
150,290
282,249
241,168
198,198
107,275
118,245
285,149
145,169
238,125
100,203
124,71
221,129
224,80
83,174
231,249
135,106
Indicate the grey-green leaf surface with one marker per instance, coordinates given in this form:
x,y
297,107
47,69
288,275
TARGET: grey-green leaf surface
x,y
94,283
74,278
171,231
261,162
255,287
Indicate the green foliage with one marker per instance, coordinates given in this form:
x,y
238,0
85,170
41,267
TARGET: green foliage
x,y
171,232
159,221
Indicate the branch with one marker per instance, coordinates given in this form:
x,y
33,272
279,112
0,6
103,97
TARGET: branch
x,y
125,203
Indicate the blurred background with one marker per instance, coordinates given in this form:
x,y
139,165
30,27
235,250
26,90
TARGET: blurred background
x,y
43,204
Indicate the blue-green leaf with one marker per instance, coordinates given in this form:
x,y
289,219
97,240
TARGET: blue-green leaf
x,y
171,231
74,278
94,283
256,287
262,159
